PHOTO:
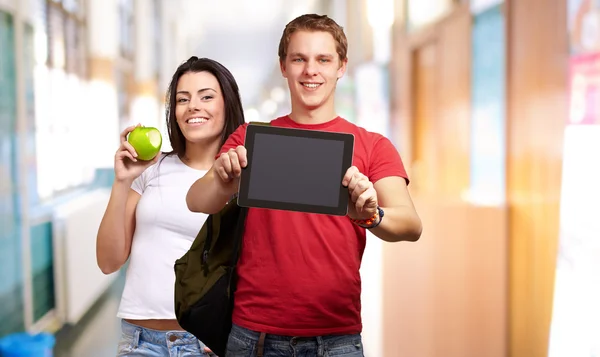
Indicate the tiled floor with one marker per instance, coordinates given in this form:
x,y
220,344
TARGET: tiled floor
x,y
98,332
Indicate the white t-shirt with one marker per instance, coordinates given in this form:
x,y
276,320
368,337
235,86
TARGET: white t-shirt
x,y
165,229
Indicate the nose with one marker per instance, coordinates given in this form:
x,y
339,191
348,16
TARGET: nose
x,y
311,68
194,104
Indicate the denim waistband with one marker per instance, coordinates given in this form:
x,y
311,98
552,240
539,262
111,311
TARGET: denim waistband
x,y
157,337
247,335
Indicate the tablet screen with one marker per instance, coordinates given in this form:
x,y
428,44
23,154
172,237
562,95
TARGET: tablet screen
x,y
305,170
296,169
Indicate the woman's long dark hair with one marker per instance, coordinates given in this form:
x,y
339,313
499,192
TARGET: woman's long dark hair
x,y
234,114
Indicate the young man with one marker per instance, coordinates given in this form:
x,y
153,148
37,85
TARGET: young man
x,y
299,284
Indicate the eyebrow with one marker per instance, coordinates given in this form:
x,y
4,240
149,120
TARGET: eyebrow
x,y
200,91
298,54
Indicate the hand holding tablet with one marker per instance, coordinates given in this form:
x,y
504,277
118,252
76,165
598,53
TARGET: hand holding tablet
x,y
229,166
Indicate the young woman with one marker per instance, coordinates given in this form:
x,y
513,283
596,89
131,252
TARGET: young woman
x,y
147,220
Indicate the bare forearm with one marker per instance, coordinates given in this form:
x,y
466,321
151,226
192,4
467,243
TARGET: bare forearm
x,y
206,195
399,224
112,243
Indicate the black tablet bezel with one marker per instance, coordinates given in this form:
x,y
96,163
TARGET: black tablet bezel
x,y
340,210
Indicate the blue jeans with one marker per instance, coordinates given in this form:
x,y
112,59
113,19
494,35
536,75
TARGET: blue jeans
x,y
137,341
243,343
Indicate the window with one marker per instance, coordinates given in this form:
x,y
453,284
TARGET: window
x,y
124,70
157,35
61,91
126,26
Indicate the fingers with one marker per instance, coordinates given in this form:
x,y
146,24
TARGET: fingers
x,y
360,188
349,174
236,169
354,179
121,154
223,166
126,132
242,155
127,146
126,150
364,199
230,163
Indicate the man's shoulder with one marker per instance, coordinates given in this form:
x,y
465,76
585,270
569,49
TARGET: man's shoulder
x,y
240,131
243,126
361,131
279,121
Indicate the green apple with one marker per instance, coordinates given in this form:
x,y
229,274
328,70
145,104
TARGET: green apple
x,y
146,141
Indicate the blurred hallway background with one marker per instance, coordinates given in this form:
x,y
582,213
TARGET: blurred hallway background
x,y
494,106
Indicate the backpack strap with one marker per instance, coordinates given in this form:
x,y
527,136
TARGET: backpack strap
x,y
239,233
207,242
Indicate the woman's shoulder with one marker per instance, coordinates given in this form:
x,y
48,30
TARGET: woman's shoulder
x,y
166,162
170,163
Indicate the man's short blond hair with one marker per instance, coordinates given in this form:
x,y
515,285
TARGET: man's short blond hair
x,y
314,22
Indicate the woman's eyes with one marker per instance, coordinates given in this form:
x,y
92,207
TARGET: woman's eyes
x,y
185,100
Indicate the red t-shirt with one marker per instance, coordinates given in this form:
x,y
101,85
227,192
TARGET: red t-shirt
x,y
299,272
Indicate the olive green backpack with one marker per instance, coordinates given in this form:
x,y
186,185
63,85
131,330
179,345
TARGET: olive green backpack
x,y
205,278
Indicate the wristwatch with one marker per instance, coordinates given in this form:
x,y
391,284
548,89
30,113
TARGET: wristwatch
x,y
370,222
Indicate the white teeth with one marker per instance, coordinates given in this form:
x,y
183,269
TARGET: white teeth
x,y
311,85
196,120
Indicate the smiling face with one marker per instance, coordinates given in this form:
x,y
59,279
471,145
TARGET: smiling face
x,y
199,107
312,68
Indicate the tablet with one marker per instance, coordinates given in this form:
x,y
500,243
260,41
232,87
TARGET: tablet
x,y
296,170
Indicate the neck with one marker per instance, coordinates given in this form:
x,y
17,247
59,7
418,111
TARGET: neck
x,y
201,156
319,115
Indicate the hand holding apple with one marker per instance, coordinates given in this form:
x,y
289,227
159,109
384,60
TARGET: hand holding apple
x,y
129,162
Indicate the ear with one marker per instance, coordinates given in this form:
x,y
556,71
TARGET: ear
x,y
282,68
342,70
